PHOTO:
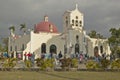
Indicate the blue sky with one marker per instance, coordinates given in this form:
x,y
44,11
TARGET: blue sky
x,y
99,15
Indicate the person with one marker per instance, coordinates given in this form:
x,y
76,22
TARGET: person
x,y
81,58
86,57
32,58
60,55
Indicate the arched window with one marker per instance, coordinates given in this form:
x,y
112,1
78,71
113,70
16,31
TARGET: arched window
x,y
76,17
76,22
96,51
72,22
77,48
77,38
51,28
80,23
101,49
43,48
53,49
66,17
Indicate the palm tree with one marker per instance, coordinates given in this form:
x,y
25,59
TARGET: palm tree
x,y
12,28
23,28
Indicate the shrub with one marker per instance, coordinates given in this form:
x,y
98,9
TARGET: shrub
x,y
9,63
44,63
66,62
74,63
28,63
92,65
115,64
104,63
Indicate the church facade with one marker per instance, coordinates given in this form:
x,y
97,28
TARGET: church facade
x,y
45,39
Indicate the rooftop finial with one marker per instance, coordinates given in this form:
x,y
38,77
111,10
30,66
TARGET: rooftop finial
x,y
76,6
46,18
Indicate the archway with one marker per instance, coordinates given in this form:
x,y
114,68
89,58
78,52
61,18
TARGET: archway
x,y
43,48
96,51
53,49
77,48
101,49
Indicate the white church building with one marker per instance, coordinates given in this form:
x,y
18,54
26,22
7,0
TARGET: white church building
x,y
45,38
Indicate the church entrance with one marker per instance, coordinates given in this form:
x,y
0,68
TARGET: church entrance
x,y
77,48
43,48
53,49
96,51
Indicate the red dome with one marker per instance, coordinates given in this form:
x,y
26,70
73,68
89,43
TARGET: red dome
x,y
45,27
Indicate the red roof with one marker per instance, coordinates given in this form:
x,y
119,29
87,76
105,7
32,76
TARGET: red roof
x,y
45,26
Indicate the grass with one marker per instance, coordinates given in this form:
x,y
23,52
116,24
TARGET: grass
x,y
79,75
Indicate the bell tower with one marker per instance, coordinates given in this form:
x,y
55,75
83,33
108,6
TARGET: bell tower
x,y
73,20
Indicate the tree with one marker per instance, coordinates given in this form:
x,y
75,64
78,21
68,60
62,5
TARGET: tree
x,y
1,48
94,34
114,41
12,28
23,28
5,44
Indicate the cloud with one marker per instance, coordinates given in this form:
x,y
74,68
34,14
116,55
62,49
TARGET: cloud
x,y
100,15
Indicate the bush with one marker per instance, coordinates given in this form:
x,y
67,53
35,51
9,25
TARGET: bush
x,y
104,63
66,63
115,64
92,65
9,63
28,63
74,63
44,63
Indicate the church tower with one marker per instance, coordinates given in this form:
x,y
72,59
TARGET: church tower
x,y
73,20
73,23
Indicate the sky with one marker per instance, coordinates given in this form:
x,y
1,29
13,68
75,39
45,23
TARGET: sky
x,y
99,15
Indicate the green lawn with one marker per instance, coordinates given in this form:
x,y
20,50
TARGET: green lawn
x,y
81,75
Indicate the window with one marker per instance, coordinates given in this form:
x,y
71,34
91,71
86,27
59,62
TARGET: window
x,y
53,49
66,17
76,17
76,22
96,51
77,38
77,48
80,23
72,22
43,48
101,49
50,28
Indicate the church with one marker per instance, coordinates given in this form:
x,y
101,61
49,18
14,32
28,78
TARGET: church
x,y
45,39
